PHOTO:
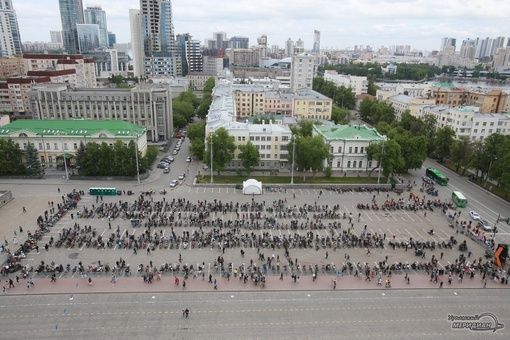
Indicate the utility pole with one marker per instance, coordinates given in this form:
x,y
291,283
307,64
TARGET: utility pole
x,y
293,156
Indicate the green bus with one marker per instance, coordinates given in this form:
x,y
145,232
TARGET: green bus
x,y
436,176
459,199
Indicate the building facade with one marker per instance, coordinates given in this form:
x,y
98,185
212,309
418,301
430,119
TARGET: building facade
x,y
154,35
309,104
191,54
71,14
488,100
359,85
301,71
11,67
10,39
348,146
97,16
147,105
54,138
83,67
87,37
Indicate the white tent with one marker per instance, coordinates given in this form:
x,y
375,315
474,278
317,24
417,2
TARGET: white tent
x,y
252,187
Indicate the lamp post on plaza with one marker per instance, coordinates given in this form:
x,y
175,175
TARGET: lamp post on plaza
x,y
380,165
293,156
64,154
136,158
489,171
212,172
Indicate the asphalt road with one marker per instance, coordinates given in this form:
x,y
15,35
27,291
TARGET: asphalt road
x,y
283,315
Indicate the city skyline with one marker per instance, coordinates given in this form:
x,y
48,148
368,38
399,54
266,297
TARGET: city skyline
x,y
391,22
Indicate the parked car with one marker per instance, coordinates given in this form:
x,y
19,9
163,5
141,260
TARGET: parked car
x,y
167,159
474,215
174,152
182,176
166,170
162,165
188,159
174,183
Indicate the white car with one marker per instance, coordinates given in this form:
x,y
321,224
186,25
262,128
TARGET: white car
x,y
474,215
182,176
188,159
174,152
174,183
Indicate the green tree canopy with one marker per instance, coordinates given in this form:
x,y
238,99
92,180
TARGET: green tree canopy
x,y
250,156
33,164
10,159
223,148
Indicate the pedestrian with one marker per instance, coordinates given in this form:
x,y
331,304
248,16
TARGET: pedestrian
x,y
11,283
148,250
215,285
53,278
368,251
58,189
442,255
281,276
210,278
449,279
485,283
327,254
183,284
334,284
17,279
20,229
113,278
90,281
441,284
24,210
408,280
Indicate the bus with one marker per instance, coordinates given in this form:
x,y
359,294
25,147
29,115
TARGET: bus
x,y
459,199
437,176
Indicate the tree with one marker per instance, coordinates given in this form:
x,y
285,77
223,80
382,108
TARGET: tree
x,y
443,142
344,97
10,160
249,156
413,148
196,135
310,153
340,115
389,154
372,88
364,108
460,152
189,97
33,164
304,128
223,148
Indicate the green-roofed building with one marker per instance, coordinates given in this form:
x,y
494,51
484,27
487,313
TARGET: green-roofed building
x,y
55,139
348,144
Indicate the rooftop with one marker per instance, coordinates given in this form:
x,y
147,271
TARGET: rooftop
x,y
342,132
72,127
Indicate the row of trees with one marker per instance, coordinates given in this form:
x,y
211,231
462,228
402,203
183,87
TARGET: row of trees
x,y
374,71
96,159
342,96
11,159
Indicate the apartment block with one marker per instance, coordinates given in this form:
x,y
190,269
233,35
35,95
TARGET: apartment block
x,y
148,105
359,85
301,72
11,67
309,104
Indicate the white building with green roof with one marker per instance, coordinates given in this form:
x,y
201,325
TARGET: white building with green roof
x,y
55,138
348,145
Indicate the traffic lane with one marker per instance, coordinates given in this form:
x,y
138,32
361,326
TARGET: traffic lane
x,y
254,315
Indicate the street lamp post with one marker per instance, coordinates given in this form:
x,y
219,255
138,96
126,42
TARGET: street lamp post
x,y
212,172
489,171
380,165
64,154
136,158
293,156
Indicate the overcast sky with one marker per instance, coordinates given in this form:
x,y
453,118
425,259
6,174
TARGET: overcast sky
x,y
343,23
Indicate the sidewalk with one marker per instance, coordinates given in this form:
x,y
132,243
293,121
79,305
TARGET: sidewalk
x,y
103,285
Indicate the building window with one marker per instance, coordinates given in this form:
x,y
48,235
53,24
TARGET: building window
x,y
338,164
55,146
348,164
360,164
354,164
356,150
350,149
339,149
40,146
